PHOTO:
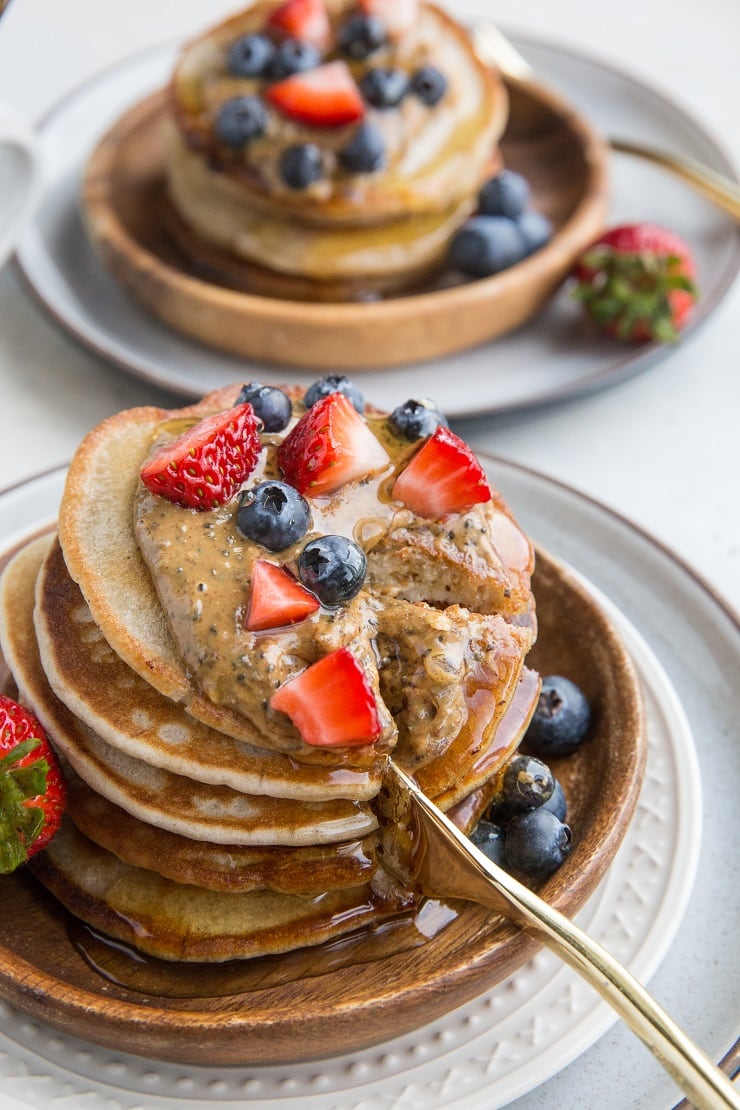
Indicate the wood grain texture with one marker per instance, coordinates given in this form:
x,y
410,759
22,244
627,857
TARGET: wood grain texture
x,y
323,1002
126,212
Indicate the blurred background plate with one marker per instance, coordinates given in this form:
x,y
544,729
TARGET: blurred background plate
x,y
550,360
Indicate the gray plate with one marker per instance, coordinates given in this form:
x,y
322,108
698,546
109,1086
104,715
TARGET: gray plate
x,y
549,361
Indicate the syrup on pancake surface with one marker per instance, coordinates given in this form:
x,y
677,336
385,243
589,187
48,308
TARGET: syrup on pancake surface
x,y
318,161
388,526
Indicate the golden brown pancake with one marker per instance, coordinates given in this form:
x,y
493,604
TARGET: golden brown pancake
x,y
128,713
227,867
347,235
175,921
184,782
174,802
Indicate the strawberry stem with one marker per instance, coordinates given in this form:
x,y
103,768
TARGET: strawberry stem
x,y
630,292
20,821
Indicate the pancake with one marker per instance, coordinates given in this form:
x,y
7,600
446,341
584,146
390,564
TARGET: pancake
x,y
226,867
347,235
97,531
174,921
185,781
173,802
128,713
435,156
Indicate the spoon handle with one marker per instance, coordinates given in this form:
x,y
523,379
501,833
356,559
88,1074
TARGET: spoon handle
x,y
720,190
449,865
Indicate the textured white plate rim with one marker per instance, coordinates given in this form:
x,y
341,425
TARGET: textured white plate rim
x,y
620,367
592,1024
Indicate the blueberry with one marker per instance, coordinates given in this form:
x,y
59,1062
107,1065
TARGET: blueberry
x,y
535,229
526,784
484,245
384,87
365,151
361,36
560,720
429,85
300,165
507,194
270,404
490,840
414,419
293,56
250,56
274,515
334,383
557,803
333,568
536,843
240,120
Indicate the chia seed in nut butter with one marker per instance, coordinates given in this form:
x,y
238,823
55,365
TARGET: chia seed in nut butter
x,y
419,660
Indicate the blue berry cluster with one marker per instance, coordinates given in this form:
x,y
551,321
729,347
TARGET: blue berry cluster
x,y
275,515
242,119
524,829
504,231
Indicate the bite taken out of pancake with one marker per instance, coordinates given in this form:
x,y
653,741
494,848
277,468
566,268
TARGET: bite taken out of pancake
x,y
219,760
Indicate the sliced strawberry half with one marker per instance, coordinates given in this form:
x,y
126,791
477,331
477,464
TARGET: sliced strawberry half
x,y
32,790
205,466
443,477
303,19
331,703
276,599
329,446
398,16
323,97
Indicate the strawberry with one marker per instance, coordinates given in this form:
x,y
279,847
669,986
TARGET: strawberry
x,y
398,16
323,97
637,282
303,19
331,703
329,446
276,599
32,790
443,477
207,464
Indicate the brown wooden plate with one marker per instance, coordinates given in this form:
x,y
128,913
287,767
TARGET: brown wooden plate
x,y
558,151
366,989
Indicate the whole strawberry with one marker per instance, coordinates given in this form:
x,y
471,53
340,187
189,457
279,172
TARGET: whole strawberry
x,y
32,790
637,282
205,466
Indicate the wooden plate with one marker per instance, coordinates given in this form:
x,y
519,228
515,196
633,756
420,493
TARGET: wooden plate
x,y
546,140
357,992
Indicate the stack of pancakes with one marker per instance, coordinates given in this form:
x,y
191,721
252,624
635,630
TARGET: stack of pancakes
x,y
349,234
202,829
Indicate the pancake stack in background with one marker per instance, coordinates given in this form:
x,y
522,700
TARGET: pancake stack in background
x,y
201,825
328,151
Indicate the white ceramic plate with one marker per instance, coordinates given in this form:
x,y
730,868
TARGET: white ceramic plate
x,y
550,360
520,1035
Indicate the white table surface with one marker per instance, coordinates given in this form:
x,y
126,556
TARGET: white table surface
x,y
662,448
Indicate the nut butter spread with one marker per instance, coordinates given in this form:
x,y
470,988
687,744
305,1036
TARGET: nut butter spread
x,y
428,665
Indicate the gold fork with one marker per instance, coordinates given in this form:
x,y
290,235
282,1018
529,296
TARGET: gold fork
x,y
495,49
422,847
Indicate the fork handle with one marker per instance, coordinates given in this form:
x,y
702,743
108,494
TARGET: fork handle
x,y
720,190
707,1087
699,1078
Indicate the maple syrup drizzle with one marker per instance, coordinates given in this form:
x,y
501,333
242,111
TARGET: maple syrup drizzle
x,y
124,966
